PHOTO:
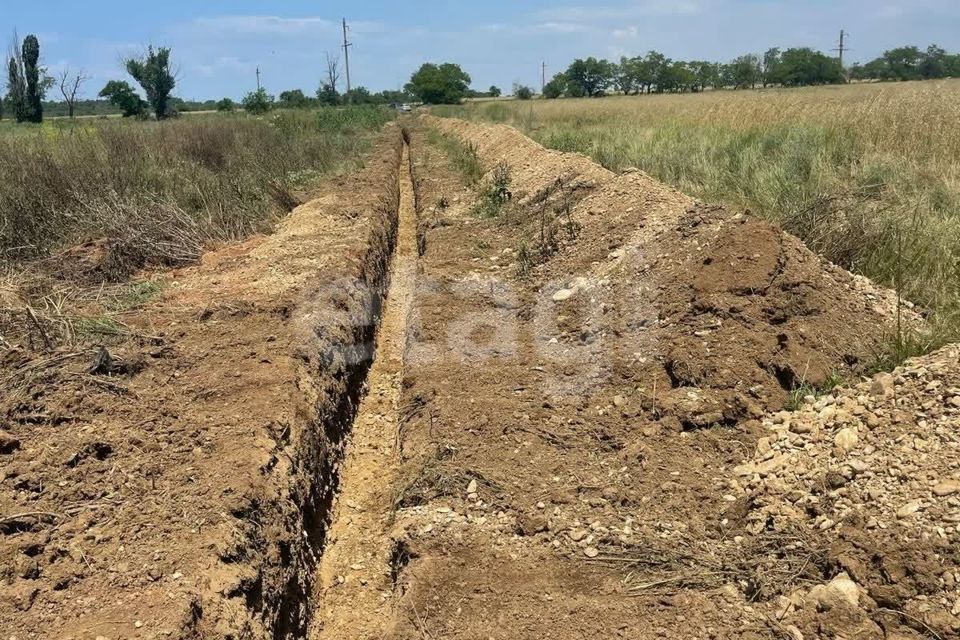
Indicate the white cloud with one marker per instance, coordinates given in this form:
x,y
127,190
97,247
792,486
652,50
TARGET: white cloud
x,y
262,25
626,33
618,12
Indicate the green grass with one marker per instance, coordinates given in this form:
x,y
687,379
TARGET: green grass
x,y
867,175
463,156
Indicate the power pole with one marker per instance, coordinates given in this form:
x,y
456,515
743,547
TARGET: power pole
x,y
258,78
543,76
346,54
842,47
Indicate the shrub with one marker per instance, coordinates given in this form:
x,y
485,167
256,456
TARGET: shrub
x,y
258,102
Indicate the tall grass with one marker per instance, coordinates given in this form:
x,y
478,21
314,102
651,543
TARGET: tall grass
x,y
868,175
158,192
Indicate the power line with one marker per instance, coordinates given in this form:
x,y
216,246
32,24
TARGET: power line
x,y
346,54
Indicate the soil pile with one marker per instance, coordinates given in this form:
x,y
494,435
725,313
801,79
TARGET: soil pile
x,y
876,469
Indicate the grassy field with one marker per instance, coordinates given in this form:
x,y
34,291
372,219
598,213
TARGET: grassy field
x,y
158,193
868,175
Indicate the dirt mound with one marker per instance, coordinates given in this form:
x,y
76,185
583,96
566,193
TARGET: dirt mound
x,y
874,469
175,484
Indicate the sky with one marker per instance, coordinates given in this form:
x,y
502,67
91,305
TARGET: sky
x,y
217,45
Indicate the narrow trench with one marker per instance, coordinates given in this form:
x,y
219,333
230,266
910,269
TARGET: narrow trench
x,y
357,468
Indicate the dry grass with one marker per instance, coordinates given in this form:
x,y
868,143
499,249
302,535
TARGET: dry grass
x,y
157,193
868,175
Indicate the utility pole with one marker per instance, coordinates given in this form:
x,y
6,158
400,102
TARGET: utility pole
x,y
842,47
543,76
346,54
258,78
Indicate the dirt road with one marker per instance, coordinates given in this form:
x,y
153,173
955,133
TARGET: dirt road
x,y
553,406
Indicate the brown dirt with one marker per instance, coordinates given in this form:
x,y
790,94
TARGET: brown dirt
x,y
567,431
185,496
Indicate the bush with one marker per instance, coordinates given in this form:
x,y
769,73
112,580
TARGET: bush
x,y
258,102
522,92
226,105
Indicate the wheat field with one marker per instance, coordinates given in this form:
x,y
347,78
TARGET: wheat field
x,y
866,174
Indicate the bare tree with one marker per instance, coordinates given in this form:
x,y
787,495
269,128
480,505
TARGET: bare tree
x,y
70,87
333,71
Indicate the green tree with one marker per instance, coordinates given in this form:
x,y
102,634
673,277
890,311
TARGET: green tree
x,y
744,72
439,84
31,73
360,95
124,97
590,77
772,73
933,64
556,87
16,91
226,105
494,91
805,67
294,99
257,102
327,95
153,72
522,92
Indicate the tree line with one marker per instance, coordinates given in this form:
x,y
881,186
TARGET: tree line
x,y
794,67
909,63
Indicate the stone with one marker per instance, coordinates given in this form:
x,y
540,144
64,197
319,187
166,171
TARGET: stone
x,y
846,439
882,385
577,534
591,552
908,509
946,488
562,294
472,487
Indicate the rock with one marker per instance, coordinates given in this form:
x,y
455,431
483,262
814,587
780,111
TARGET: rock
x,y
946,488
882,385
846,587
591,552
577,534
908,509
801,427
562,294
530,524
472,487
846,439
8,443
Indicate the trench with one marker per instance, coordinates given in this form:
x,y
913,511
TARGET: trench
x,y
350,510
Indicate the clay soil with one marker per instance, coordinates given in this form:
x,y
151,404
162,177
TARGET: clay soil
x,y
404,417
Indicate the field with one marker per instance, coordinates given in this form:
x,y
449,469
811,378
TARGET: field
x,y
868,175
338,373
158,194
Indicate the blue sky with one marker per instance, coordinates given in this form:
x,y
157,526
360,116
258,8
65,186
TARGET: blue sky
x,y
217,44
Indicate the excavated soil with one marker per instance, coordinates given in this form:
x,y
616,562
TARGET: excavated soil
x,y
574,426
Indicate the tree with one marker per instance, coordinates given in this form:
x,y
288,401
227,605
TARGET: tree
x,y
360,95
745,72
772,67
27,81
327,95
805,67
522,92
257,102
333,71
439,84
153,72
494,91
556,87
70,87
226,105
31,73
124,97
590,77
294,99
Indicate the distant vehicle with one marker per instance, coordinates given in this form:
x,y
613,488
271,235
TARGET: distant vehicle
x,y
401,106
